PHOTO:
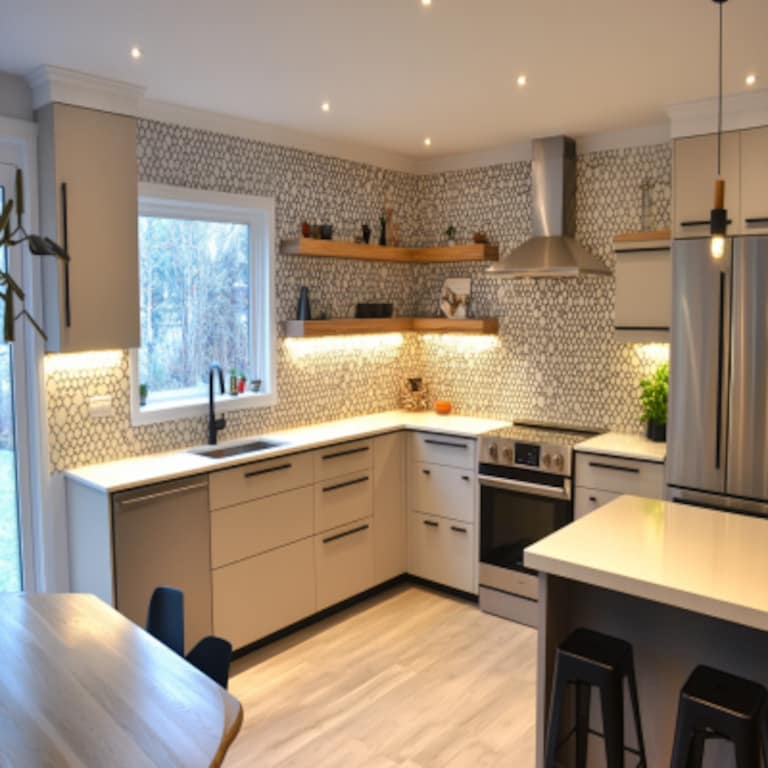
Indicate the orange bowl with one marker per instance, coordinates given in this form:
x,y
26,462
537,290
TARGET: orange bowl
x,y
443,407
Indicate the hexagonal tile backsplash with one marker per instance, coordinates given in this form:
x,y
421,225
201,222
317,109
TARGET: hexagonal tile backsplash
x,y
555,358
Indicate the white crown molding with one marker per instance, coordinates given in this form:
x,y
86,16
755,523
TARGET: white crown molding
x,y
67,86
272,134
740,111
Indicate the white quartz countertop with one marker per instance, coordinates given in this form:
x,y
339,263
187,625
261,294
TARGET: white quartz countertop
x,y
624,445
131,473
703,560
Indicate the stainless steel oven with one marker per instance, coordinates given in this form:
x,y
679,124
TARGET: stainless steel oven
x,y
525,495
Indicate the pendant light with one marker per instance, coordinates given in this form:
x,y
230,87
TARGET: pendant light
x,y
718,219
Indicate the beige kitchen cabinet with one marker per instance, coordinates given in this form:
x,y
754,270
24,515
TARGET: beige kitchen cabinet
x,y
341,500
601,478
643,290
586,500
344,562
342,459
89,202
754,181
443,491
256,597
694,170
442,510
390,558
258,526
442,551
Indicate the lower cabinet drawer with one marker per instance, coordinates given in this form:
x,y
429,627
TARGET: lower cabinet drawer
x,y
442,449
343,500
258,596
623,476
344,560
343,459
257,526
443,551
443,491
586,500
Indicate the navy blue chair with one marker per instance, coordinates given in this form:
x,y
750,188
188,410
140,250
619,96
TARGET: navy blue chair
x,y
212,656
165,619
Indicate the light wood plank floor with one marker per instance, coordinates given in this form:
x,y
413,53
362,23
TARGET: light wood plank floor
x,y
408,679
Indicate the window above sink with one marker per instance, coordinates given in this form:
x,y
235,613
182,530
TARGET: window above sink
x,y
206,264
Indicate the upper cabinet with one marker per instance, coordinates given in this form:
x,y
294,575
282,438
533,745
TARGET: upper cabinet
x,y
745,169
694,172
754,181
643,287
89,203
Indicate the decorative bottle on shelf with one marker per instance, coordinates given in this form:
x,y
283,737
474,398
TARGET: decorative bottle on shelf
x,y
383,235
303,312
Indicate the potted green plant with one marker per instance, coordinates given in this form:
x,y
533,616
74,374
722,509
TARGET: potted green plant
x,y
655,394
143,392
450,233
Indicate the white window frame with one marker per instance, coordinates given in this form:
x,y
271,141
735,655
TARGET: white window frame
x,y
259,214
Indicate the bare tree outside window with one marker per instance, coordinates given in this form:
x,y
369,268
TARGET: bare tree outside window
x,y
195,303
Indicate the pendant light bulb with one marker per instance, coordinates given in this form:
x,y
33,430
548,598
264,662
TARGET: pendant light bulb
x,y
717,247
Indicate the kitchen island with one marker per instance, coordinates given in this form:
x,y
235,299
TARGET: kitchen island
x,y
685,585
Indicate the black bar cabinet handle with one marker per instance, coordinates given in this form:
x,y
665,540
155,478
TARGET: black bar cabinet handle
x,y
699,223
446,444
431,523
757,220
268,471
345,534
345,485
720,354
593,499
600,465
65,243
457,529
345,453
426,471
465,477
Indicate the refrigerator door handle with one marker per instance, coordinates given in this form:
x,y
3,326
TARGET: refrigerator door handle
x,y
720,360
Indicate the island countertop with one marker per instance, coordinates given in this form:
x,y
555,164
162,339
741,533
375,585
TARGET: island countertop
x,y
703,560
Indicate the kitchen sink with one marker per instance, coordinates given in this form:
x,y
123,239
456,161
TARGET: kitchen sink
x,y
225,452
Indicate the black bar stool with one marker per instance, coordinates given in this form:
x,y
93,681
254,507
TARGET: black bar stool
x,y
716,705
589,659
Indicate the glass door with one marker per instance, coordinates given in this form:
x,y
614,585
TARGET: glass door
x,y
10,536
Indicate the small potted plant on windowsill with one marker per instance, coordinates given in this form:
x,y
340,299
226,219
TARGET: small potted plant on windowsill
x,y
143,392
654,399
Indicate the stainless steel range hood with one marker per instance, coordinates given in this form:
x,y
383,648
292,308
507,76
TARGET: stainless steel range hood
x,y
552,251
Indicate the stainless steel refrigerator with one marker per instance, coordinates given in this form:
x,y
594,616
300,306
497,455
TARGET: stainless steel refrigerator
x,y
718,402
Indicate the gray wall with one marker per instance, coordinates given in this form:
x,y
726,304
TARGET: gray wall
x,y
15,97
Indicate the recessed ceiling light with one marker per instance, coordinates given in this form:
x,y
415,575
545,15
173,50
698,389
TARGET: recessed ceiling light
x,y
750,79
326,106
427,142
135,52
522,80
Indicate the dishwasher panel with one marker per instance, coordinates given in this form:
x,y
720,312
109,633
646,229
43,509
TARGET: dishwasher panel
x,y
162,538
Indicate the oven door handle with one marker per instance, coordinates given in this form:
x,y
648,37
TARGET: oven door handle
x,y
534,489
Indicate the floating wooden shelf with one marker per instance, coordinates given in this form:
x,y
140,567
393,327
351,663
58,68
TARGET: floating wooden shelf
x,y
349,326
445,325
642,237
339,249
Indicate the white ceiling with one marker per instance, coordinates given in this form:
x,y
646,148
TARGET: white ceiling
x,y
395,72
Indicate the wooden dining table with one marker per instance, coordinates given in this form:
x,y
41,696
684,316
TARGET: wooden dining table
x,y
81,685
